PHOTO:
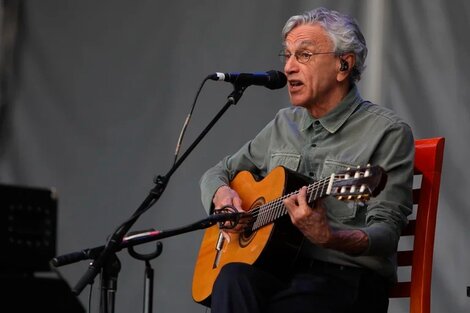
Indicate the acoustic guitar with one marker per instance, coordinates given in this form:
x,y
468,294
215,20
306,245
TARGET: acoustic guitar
x,y
269,239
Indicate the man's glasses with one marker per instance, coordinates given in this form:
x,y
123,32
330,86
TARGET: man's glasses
x,y
301,56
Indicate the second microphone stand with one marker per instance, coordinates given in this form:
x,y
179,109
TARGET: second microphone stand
x,y
105,259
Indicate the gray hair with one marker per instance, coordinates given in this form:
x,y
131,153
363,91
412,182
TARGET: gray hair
x,y
343,31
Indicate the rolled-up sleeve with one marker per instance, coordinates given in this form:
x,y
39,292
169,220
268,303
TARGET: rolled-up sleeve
x,y
387,213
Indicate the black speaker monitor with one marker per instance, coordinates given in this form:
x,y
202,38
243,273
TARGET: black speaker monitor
x,y
28,222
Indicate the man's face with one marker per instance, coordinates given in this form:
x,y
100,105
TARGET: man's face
x,y
313,82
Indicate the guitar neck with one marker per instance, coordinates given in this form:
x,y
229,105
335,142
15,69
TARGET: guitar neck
x,y
273,210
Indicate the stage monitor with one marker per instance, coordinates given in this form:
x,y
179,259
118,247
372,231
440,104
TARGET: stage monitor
x,y
28,222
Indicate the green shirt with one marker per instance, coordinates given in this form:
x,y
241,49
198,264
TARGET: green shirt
x,y
355,133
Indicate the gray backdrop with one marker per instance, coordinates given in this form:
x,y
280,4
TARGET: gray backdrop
x,y
104,86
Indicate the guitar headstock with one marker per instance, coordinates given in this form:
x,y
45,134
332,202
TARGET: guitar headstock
x,y
358,184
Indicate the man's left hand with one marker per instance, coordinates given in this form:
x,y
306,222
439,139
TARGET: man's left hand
x,y
312,222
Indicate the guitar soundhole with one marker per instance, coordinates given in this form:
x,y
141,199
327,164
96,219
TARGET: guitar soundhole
x,y
247,236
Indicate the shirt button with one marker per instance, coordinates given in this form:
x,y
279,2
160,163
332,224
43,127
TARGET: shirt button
x,y
311,174
316,122
314,145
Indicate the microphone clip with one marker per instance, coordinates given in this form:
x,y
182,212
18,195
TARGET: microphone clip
x,y
231,217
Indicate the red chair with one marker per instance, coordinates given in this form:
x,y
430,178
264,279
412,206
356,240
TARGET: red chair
x,y
428,165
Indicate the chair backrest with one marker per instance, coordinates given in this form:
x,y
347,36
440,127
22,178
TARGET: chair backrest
x,y
428,165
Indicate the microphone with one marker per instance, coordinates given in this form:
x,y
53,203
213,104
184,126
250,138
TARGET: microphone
x,y
271,79
74,257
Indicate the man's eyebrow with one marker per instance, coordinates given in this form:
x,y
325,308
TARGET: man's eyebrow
x,y
304,43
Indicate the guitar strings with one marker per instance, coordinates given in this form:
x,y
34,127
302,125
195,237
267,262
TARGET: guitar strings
x,y
272,210
310,187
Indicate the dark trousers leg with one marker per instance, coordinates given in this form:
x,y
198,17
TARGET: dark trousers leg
x,y
242,288
315,293
332,292
373,295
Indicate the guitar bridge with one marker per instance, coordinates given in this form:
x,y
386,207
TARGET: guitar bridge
x,y
218,250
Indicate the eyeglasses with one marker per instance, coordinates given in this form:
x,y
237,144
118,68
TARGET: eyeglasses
x,y
301,56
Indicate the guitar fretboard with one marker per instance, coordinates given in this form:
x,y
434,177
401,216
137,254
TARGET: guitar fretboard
x,y
273,210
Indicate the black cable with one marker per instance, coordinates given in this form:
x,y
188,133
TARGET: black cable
x,y
188,118
89,298
178,146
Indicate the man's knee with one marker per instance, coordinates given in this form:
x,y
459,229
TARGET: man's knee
x,y
233,272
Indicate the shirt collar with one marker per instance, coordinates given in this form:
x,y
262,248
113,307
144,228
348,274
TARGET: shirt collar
x,y
338,116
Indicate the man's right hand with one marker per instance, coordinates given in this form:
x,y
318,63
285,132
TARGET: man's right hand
x,y
227,196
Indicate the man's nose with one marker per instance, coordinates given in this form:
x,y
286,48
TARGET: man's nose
x,y
291,65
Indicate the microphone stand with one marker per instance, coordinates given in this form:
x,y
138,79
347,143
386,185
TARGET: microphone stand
x,y
149,274
104,256
112,266
141,237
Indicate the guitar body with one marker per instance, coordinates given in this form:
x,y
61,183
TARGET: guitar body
x,y
270,247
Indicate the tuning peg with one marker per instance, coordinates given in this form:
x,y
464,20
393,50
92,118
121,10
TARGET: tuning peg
x,y
357,173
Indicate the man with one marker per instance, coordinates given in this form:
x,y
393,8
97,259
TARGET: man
x,y
347,260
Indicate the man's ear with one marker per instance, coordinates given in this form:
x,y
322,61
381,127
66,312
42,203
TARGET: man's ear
x,y
345,65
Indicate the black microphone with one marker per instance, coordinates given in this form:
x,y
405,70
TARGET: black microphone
x,y
74,257
270,79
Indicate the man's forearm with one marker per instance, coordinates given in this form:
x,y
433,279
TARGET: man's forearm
x,y
348,241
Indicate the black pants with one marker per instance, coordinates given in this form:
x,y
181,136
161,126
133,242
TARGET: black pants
x,y
315,287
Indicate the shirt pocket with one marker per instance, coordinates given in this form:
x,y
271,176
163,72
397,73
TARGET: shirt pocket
x,y
289,160
346,212
331,166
